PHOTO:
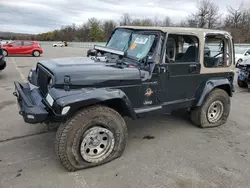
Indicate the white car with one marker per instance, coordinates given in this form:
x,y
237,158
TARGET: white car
x,y
241,54
58,44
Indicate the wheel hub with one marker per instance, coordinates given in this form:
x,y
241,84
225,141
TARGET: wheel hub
x,y
215,111
95,141
4,53
97,144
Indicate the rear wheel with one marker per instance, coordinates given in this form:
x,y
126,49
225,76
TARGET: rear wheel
x,y
214,111
94,136
241,83
36,53
5,53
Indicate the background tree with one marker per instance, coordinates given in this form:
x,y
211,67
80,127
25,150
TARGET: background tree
x,y
207,15
95,31
125,19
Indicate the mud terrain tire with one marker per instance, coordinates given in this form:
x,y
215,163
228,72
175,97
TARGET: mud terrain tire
x,y
70,136
200,115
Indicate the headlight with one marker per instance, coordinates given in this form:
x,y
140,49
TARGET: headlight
x,y
49,99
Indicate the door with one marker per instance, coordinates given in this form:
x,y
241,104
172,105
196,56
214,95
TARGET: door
x,y
14,47
27,47
180,77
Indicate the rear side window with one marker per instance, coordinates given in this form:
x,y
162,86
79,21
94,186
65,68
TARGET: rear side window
x,y
221,52
27,43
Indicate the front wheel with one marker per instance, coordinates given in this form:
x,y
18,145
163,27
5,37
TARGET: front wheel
x,y
94,136
214,111
241,83
5,53
36,53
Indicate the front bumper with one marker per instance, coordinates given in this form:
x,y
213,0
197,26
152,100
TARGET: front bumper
x,y
30,103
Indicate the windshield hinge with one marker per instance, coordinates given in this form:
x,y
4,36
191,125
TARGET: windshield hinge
x,y
67,83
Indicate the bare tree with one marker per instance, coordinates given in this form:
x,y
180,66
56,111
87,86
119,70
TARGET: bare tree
x,y
206,16
183,23
166,22
147,22
213,16
202,12
234,16
156,21
237,22
125,19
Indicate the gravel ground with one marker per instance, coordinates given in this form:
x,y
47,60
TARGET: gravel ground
x,y
178,155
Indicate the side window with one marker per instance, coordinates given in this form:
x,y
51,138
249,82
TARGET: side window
x,y
220,54
248,52
182,48
18,43
27,43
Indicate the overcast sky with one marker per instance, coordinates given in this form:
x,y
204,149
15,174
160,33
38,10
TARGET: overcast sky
x,y
36,16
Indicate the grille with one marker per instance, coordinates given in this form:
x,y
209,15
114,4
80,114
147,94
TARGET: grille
x,y
43,79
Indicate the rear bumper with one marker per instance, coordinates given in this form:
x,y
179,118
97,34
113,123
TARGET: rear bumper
x,y
30,104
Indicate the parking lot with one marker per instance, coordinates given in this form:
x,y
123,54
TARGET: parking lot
x,y
166,151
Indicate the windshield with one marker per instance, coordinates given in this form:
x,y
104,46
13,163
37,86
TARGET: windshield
x,y
136,44
240,50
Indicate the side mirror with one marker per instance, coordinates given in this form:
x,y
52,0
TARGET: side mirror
x,y
91,52
247,54
32,77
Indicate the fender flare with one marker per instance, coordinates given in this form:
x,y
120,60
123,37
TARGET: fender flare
x,y
222,83
90,96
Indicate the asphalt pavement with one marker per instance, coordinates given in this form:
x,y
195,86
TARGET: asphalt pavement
x,y
162,152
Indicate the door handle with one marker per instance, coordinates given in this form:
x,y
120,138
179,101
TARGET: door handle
x,y
192,69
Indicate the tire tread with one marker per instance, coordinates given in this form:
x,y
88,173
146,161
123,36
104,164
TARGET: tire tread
x,y
64,129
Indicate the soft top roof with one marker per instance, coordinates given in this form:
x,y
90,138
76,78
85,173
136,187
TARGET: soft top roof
x,y
177,29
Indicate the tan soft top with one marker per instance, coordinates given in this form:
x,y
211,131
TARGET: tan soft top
x,y
198,31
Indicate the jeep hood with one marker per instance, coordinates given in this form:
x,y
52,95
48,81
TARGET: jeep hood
x,y
84,71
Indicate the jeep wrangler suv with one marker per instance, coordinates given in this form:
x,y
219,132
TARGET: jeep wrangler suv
x,y
140,71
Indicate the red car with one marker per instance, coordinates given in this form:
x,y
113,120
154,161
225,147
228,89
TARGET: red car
x,y
26,47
